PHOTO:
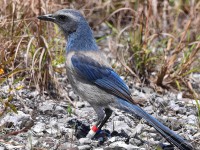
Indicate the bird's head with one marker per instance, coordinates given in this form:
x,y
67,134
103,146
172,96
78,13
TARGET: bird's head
x,y
67,19
74,27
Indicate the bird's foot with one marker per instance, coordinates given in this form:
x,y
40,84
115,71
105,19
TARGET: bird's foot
x,y
82,130
102,135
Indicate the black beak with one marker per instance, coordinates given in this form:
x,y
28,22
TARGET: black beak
x,y
48,17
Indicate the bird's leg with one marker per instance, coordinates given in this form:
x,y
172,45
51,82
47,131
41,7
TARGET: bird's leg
x,y
100,114
108,113
101,120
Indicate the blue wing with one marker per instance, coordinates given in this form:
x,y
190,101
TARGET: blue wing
x,y
100,75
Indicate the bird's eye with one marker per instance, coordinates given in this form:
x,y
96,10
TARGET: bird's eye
x,y
62,18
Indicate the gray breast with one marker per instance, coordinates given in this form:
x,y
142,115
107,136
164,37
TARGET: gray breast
x,y
90,92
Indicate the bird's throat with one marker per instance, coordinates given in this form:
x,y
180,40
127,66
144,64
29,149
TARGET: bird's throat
x,y
81,40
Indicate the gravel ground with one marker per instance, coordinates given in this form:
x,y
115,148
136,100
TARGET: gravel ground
x,y
54,123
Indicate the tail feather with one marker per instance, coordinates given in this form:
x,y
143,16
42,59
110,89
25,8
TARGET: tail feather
x,y
168,134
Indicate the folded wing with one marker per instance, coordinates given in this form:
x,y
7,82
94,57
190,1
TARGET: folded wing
x,y
104,77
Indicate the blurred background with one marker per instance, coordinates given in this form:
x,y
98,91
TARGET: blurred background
x,y
153,43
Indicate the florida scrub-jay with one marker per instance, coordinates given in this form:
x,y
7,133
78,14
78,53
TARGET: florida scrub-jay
x,y
94,80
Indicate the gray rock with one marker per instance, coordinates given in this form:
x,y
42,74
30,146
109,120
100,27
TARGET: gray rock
x,y
147,90
180,96
80,104
174,122
84,141
10,146
84,147
135,141
34,93
182,110
192,119
73,96
121,125
117,138
54,127
60,110
172,105
2,148
54,131
46,107
168,98
197,135
32,142
104,27
137,130
87,104
154,135
123,145
142,95
112,139
69,132
39,127
17,119
176,108
69,86
162,119
47,142
149,109
98,149
153,141
159,101
68,146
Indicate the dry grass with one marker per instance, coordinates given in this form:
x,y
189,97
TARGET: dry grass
x,y
156,41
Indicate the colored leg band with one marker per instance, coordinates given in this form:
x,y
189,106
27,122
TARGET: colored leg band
x,y
92,132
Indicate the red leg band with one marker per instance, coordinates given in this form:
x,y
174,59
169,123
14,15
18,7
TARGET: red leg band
x,y
94,128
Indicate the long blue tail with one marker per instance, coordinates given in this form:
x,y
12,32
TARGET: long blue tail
x,y
168,134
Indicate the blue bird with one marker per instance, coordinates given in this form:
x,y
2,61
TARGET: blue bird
x,y
95,81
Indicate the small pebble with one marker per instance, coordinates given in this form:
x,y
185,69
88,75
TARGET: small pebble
x,y
84,147
84,141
